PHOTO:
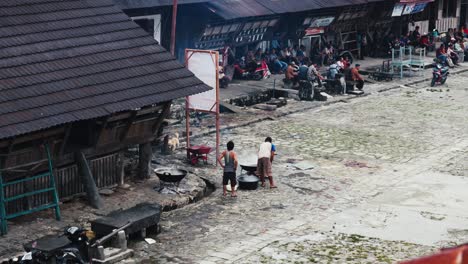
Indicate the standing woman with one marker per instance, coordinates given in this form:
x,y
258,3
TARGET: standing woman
x,y
265,157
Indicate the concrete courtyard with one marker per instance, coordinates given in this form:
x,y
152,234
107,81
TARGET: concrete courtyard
x,y
376,179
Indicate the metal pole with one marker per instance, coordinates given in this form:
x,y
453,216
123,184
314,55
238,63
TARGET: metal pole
x,y
3,218
52,183
217,107
187,114
174,22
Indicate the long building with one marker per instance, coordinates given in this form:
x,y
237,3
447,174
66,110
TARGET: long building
x,y
79,83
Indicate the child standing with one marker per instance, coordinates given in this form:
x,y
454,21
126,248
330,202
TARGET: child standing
x,y
229,167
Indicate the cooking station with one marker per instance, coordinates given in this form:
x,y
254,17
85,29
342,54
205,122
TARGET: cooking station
x,y
248,180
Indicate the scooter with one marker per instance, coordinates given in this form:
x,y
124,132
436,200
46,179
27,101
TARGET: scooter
x,y
77,251
439,74
74,253
261,72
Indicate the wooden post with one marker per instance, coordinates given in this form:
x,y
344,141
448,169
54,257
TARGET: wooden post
x,y
165,146
145,155
92,191
218,136
121,168
174,23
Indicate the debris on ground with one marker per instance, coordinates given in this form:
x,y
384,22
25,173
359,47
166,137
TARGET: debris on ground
x,y
356,164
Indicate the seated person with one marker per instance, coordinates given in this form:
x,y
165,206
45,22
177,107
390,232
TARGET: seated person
x,y
356,76
303,69
453,55
278,65
441,53
291,74
424,42
333,70
313,74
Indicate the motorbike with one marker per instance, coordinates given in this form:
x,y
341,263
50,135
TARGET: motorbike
x,y
260,72
76,252
439,74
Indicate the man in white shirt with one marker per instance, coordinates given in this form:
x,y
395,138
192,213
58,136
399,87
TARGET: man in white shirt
x,y
266,154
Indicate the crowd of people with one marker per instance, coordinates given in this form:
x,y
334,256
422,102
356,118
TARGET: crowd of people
x,y
453,49
278,59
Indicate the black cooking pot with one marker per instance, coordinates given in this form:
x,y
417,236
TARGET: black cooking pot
x,y
248,182
170,175
249,167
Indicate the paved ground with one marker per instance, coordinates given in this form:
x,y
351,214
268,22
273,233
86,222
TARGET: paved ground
x,y
370,179
376,179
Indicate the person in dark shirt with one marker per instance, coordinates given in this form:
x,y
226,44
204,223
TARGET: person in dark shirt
x,y
416,36
302,73
229,168
315,54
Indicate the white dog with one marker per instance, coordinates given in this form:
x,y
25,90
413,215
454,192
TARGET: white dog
x,y
174,142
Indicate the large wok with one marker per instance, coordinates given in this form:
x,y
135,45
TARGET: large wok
x,y
170,175
248,182
251,168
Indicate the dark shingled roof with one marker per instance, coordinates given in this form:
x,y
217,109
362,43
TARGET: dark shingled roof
x,y
67,60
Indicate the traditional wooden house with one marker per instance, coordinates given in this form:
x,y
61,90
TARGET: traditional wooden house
x,y
79,83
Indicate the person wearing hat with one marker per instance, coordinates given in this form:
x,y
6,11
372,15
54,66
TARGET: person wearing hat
x,y
356,76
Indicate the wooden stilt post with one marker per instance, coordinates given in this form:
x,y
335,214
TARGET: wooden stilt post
x,y
3,219
121,168
92,191
145,155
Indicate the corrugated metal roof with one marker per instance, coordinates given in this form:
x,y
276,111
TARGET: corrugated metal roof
x,y
231,9
67,60
133,4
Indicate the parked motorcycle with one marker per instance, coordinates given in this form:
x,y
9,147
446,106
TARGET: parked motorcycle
x,y
76,252
260,72
439,74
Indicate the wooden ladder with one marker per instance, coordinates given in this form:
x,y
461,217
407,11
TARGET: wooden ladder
x,y
4,217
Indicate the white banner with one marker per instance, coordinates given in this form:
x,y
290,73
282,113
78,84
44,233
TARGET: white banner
x,y
408,9
397,10
204,64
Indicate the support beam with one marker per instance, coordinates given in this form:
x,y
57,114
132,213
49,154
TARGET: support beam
x,y
92,191
145,155
164,113
129,124
65,140
121,168
101,131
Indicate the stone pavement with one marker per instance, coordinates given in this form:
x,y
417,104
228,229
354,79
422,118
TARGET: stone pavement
x,y
372,179
376,179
